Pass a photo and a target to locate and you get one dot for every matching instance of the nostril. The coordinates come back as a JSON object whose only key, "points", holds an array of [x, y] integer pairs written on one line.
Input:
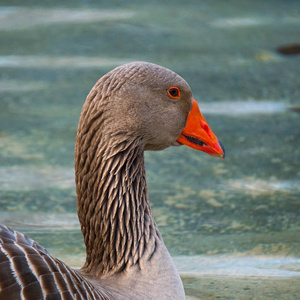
{"points": [[205, 127]]}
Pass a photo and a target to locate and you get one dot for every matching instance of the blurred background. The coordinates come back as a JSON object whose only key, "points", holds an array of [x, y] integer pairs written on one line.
{"points": [[233, 225]]}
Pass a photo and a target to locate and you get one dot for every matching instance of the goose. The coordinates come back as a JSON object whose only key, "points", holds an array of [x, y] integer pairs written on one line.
{"points": [[135, 107]]}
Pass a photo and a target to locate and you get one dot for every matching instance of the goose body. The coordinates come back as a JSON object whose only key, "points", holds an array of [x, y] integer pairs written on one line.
{"points": [[135, 107]]}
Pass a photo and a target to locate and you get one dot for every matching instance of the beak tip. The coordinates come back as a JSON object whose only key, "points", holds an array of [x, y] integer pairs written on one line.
{"points": [[223, 149]]}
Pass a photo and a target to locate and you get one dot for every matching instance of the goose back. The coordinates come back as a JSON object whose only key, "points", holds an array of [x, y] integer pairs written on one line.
{"points": [[29, 272]]}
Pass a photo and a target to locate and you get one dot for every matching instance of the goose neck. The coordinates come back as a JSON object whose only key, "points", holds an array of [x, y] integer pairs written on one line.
{"points": [[116, 220]]}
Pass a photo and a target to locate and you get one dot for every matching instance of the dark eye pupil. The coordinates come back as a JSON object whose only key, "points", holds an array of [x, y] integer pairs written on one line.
{"points": [[173, 92]]}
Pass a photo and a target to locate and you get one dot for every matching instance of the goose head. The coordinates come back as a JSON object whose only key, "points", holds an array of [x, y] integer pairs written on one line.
{"points": [[155, 104]]}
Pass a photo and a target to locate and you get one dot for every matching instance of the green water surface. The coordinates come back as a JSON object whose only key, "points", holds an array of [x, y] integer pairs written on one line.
{"points": [[248, 205]]}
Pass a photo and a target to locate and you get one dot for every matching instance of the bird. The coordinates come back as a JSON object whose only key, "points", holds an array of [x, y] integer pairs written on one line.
{"points": [[136, 107]]}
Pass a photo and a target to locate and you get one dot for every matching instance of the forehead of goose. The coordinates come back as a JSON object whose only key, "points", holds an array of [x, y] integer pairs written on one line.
{"points": [[151, 75]]}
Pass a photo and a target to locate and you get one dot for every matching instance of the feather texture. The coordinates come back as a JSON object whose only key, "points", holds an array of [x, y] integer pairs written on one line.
{"points": [[127, 112], [29, 272]]}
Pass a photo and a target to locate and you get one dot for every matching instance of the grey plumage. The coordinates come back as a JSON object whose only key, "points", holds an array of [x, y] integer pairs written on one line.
{"points": [[28, 271], [127, 111]]}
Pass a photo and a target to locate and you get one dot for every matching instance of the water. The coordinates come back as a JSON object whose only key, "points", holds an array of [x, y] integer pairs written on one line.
{"points": [[232, 226]]}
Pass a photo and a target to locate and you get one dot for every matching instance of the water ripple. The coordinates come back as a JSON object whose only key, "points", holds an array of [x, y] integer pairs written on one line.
{"points": [[26, 178], [28, 61], [12, 18], [237, 108], [251, 21], [229, 265]]}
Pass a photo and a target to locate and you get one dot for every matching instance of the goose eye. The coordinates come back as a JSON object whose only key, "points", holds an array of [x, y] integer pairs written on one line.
{"points": [[174, 92]]}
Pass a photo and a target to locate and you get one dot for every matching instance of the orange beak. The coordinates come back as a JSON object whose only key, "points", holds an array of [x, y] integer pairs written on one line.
{"points": [[197, 134]]}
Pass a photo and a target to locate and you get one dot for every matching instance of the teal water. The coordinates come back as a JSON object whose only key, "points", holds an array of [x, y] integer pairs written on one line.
{"points": [[232, 225]]}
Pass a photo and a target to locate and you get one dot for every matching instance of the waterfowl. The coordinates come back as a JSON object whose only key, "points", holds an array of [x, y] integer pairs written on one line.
{"points": [[135, 107]]}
